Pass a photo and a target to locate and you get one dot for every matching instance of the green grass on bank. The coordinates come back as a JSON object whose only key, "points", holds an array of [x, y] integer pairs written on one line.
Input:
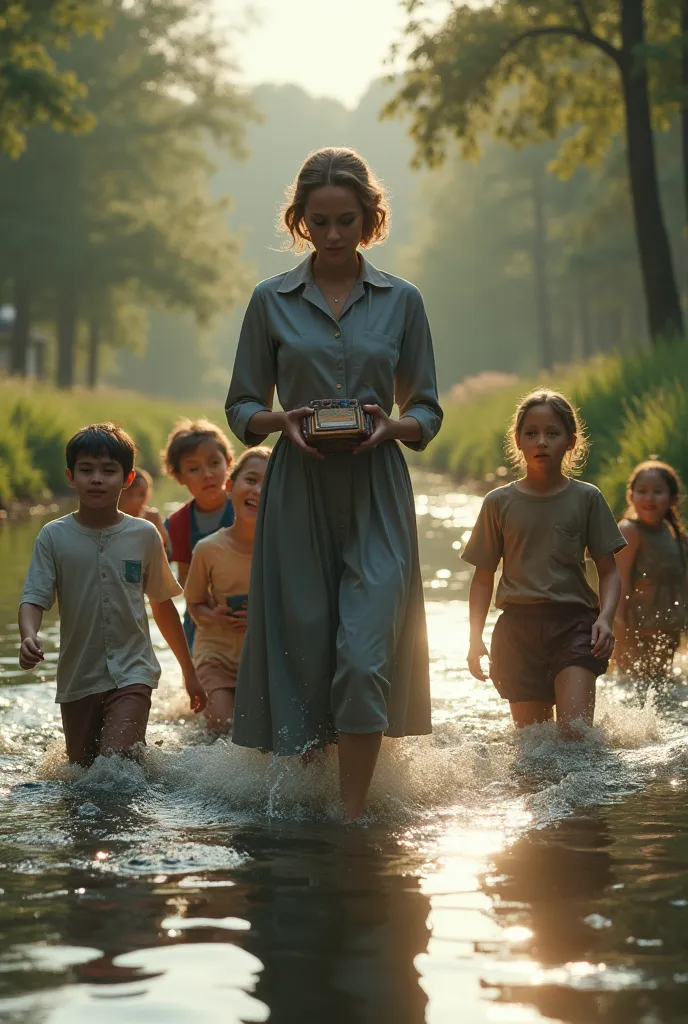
{"points": [[634, 406], [37, 420]]}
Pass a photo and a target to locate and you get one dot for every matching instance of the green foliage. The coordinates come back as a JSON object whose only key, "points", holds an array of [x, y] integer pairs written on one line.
{"points": [[32, 88], [37, 421], [42, 438], [125, 210], [583, 72], [530, 72], [472, 256], [655, 425], [633, 407]]}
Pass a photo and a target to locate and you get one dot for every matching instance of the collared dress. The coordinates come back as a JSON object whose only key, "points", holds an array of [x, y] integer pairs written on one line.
{"points": [[336, 640]]}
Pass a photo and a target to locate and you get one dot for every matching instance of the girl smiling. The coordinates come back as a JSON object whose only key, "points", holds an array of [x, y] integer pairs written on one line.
{"points": [[654, 594], [216, 591]]}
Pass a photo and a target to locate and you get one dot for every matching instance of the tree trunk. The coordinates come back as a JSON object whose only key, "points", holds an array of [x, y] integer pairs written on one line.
{"points": [[19, 350], [94, 339], [66, 338], [543, 311], [684, 105], [659, 280], [584, 325]]}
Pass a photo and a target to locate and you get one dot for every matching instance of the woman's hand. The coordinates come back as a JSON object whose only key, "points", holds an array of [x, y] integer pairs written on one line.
{"points": [[292, 428], [383, 429]]}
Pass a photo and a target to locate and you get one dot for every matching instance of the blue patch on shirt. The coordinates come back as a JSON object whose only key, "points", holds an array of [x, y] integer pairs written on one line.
{"points": [[132, 570]]}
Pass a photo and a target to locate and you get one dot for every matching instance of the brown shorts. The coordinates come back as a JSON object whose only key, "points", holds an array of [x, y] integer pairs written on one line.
{"points": [[212, 675], [106, 723], [532, 644]]}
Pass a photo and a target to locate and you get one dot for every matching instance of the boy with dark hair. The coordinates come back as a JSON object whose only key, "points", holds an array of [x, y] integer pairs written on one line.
{"points": [[100, 563]]}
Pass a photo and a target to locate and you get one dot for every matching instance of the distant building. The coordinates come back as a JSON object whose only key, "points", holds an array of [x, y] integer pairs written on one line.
{"points": [[35, 357]]}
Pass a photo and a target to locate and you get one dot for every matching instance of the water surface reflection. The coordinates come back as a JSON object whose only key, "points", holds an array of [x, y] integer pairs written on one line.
{"points": [[497, 878]]}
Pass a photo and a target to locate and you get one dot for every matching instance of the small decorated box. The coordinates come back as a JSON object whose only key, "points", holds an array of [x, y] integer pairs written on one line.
{"points": [[337, 425]]}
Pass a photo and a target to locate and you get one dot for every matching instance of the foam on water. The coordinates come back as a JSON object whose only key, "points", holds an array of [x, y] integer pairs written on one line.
{"points": [[416, 777], [626, 726]]}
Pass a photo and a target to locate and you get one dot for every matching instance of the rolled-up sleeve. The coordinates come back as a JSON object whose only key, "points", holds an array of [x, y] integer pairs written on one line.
{"points": [[415, 384], [253, 379]]}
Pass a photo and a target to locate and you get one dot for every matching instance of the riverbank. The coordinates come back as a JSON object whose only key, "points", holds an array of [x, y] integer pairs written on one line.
{"points": [[634, 406], [37, 420]]}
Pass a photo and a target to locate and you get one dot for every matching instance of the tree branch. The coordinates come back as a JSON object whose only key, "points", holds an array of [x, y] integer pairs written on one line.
{"points": [[583, 15], [566, 30]]}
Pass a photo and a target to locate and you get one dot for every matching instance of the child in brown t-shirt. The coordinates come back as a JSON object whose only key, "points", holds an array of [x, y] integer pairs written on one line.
{"points": [[216, 591], [554, 636]]}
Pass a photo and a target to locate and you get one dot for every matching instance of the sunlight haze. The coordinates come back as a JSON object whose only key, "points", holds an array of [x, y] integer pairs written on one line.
{"points": [[328, 49]]}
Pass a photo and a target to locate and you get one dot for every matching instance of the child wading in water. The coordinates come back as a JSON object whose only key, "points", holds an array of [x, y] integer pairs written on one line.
{"points": [[99, 564], [216, 591], [653, 610], [134, 502], [200, 457], [554, 637]]}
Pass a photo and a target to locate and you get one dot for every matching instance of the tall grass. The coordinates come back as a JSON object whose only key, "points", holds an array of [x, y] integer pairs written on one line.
{"points": [[634, 406], [37, 420]]}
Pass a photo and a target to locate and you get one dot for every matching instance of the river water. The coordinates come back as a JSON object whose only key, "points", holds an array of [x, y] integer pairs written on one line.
{"points": [[498, 877]]}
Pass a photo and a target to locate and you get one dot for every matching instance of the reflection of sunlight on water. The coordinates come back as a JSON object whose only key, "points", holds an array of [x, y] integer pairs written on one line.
{"points": [[471, 810], [204, 981]]}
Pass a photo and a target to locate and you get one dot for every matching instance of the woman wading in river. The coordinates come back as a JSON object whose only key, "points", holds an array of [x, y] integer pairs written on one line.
{"points": [[336, 649]]}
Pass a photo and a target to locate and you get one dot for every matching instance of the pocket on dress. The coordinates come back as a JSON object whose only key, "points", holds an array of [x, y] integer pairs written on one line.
{"points": [[568, 546]]}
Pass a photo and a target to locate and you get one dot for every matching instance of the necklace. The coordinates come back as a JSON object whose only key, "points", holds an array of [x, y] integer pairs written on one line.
{"points": [[343, 295]]}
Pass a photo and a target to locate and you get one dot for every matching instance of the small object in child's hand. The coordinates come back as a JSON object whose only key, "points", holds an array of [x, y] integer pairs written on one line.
{"points": [[237, 602], [485, 665]]}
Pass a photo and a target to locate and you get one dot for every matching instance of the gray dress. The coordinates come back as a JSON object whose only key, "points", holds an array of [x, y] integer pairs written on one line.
{"points": [[336, 639]]}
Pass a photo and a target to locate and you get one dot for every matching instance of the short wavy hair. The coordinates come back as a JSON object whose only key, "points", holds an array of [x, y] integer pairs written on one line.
{"points": [[341, 168], [185, 437]]}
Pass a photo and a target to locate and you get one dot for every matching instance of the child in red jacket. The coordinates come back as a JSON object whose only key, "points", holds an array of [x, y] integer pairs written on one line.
{"points": [[199, 456]]}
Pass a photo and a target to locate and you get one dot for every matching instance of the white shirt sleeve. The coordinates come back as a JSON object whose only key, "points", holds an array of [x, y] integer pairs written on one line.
{"points": [[40, 586]]}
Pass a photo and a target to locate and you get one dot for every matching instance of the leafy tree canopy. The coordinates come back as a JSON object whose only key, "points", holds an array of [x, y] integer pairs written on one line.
{"points": [[529, 72], [32, 87]]}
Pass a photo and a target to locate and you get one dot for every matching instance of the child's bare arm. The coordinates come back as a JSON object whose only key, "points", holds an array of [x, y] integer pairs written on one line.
{"points": [[624, 563], [31, 650], [610, 591], [153, 516], [169, 624], [479, 601], [182, 572]]}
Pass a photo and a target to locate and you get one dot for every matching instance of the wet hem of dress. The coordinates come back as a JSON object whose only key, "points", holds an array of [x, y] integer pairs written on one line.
{"points": [[327, 741]]}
